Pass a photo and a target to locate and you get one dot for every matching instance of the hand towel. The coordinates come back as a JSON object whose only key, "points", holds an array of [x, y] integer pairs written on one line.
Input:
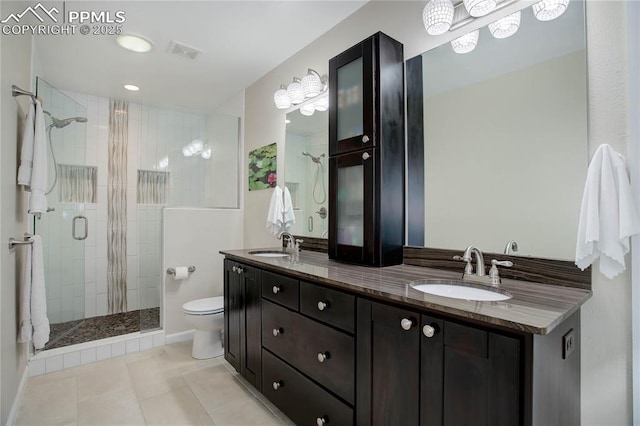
{"points": [[275, 215], [289, 215], [38, 199], [608, 215], [34, 323], [26, 153]]}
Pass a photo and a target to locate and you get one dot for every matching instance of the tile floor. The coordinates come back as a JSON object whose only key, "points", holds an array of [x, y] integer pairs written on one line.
{"points": [[161, 386]]}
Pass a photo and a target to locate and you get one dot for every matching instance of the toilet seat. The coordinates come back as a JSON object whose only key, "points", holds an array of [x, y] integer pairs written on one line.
{"points": [[206, 306]]}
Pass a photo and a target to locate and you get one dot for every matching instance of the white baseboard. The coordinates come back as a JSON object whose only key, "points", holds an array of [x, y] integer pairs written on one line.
{"points": [[183, 336], [13, 414]]}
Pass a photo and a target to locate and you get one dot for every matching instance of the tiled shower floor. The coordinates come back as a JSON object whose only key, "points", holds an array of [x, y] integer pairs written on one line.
{"points": [[86, 330]]}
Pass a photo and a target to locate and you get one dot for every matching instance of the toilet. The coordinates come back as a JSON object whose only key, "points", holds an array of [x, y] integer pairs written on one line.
{"points": [[207, 317]]}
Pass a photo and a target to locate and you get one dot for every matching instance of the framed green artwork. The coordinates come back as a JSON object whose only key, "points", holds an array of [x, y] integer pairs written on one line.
{"points": [[262, 167]]}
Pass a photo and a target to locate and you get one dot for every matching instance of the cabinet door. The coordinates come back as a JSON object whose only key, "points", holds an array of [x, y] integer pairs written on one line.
{"points": [[250, 320], [351, 104], [232, 314], [481, 377], [352, 216], [431, 378], [388, 344]]}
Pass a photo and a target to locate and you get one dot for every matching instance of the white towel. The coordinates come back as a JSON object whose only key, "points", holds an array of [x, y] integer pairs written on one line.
{"points": [[608, 216], [275, 214], [26, 154], [38, 199], [289, 215], [34, 323]]}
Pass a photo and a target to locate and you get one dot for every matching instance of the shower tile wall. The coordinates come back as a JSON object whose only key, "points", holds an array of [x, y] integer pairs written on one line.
{"points": [[154, 133]]}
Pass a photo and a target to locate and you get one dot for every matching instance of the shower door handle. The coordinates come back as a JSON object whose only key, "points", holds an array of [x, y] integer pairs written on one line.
{"points": [[74, 228], [310, 224]]}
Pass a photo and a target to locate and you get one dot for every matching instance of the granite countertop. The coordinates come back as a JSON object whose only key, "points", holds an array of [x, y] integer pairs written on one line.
{"points": [[534, 308]]}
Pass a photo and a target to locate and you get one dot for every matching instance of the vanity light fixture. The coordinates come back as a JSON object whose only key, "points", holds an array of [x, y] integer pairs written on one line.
{"points": [[322, 104], [546, 10], [312, 84], [281, 98], [307, 109], [131, 87], [134, 43], [197, 147], [295, 92], [466, 43], [478, 8], [437, 16], [505, 27]]}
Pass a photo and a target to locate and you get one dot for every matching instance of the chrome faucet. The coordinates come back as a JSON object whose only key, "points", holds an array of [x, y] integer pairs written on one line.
{"points": [[293, 243], [480, 275], [511, 246], [480, 270]]}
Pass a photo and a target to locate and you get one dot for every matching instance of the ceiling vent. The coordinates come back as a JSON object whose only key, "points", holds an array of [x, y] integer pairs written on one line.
{"points": [[183, 50]]}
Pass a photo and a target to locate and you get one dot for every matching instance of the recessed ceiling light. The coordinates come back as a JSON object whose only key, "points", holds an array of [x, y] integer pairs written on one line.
{"points": [[134, 43], [131, 87]]}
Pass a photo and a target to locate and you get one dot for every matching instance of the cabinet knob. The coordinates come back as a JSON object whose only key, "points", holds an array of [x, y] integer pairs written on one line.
{"points": [[406, 323], [323, 305], [320, 421], [239, 270], [277, 385], [276, 289], [323, 356], [277, 331], [429, 330], [365, 139], [365, 156]]}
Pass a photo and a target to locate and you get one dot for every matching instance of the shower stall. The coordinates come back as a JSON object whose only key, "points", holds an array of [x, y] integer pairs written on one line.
{"points": [[88, 232]]}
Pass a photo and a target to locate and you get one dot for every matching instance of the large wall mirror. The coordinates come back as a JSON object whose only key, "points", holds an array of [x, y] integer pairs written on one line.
{"points": [[505, 139], [306, 171]]}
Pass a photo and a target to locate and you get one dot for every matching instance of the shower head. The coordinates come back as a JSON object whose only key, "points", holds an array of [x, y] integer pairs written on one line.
{"points": [[64, 122], [317, 159]]}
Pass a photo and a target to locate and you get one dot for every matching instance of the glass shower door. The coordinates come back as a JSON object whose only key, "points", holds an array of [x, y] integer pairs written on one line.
{"points": [[64, 229]]}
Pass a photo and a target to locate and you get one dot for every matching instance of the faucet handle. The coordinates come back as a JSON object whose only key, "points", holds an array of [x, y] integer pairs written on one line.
{"points": [[468, 270], [494, 274]]}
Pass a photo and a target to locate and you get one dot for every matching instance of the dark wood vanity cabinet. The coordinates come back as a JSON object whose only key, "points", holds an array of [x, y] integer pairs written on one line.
{"points": [[332, 357], [366, 153], [242, 320]]}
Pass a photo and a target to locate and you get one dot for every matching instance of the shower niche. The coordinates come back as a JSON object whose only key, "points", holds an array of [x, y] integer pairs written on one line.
{"points": [[306, 167]]}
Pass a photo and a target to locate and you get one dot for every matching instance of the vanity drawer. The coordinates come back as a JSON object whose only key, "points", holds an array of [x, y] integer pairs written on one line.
{"points": [[299, 398], [325, 354], [280, 289], [327, 305]]}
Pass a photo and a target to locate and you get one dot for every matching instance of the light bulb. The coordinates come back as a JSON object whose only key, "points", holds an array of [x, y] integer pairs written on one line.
{"points": [[505, 27], [479, 7], [466, 43], [437, 16], [546, 10], [307, 110], [281, 98], [322, 104], [312, 84], [206, 154], [295, 92]]}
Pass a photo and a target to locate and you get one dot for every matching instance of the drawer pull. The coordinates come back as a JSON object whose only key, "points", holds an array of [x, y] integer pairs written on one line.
{"points": [[323, 305], [406, 323], [429, 330], [234, 269], [239, 270], [320, 421], [323, 356], [276, 289], [277, 385], [277, 331]]}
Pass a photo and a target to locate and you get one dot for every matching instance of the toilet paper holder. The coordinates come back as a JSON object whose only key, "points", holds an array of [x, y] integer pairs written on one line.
{"points": [[172, 271]]}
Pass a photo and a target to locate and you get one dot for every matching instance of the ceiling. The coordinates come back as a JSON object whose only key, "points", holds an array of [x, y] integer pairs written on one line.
{"points": [[240, 41]]}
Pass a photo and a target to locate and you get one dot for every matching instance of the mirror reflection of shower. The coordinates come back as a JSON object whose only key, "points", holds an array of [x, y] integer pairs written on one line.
{"points": [[57, 123], [319, 197]]}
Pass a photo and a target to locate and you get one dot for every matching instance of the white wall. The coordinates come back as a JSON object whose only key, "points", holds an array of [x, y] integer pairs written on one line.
{"points": [[606, 318], [194, 237], [15, 69]]}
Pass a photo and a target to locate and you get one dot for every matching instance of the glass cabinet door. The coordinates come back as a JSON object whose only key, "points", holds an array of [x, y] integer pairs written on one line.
{"points": [[351, 100], [353, 210]]}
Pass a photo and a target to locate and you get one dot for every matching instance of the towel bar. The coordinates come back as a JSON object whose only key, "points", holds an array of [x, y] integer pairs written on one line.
{"points": [[172, 271], [13, 242], [16, 91]]}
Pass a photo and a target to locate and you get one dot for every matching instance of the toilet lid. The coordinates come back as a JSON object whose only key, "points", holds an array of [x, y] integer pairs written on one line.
{"points": [[208, 305]]}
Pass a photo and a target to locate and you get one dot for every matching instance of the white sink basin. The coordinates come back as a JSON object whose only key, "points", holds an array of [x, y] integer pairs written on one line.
{"points": [[461, 290], [269, 253]]}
